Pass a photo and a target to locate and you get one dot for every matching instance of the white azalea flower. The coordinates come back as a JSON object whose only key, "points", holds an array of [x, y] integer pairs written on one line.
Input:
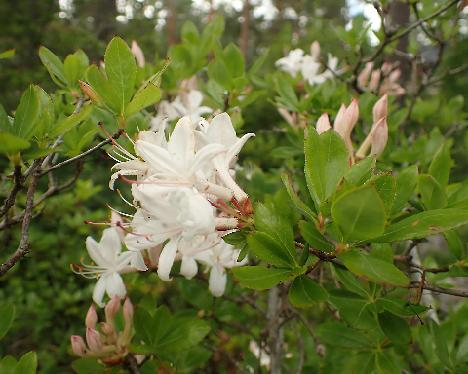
{"points": [[220, 131], [292, 62], [110, 263], [220, 257], [190, 104]]}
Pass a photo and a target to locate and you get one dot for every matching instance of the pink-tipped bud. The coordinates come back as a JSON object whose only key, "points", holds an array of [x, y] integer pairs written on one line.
{"points": [[386, 68], [315, 49], [364, 75], [352, 115], [107, 328], [323, 123], [78, 345], [128, 311], [340, 120], [91, 317], [380, 109], [111, 308], [394, 76], [379, 137], [138, 53], [93, 339], [374, 80]]}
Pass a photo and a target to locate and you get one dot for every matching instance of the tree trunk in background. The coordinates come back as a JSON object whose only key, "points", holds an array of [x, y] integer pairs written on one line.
{"points": [[398, 18], [244, 42], [171, 22], [275, 331]]}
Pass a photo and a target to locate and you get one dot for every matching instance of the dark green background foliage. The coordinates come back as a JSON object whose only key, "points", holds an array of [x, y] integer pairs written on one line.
{"points": [[347, 305]]}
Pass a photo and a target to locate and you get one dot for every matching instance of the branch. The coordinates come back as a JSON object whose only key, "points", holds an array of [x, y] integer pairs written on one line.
{"points": [[17, 184], [447, 291], [84, 154], [23, 247]]}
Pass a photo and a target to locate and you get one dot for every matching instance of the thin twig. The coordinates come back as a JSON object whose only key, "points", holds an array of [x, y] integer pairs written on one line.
{"points": [[23, 247], [17, 184], [447, 291]]}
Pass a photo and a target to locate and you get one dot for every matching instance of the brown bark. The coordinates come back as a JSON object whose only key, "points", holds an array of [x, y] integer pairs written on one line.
{"points": [[245, 30]]}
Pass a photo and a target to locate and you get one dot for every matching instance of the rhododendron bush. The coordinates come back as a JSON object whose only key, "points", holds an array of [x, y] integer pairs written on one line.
{"points": [[304, 211]]}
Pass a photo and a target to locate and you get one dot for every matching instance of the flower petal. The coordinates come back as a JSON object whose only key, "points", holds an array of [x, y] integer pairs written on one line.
{"points": [[110, 244], [217, 283], [221, 130], [166, 260], [98, 292], [94, 251], [188, 267], [115, 285]]}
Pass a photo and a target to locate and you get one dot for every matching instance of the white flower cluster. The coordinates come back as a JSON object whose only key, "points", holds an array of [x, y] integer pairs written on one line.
{"points": [[186, 198], [309, 66]]}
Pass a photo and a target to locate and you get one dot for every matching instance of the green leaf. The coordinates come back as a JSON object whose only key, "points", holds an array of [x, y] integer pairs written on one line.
{"points": [[298, 203], [338, 334], [146, 97], [361, 171], [260, 277], [377, 270], [27, 364], [121, 71], [7, 54], [360, 214], [424, 224], [441, 164], [87, 365], [432, 194], [102, 87], [267, 249], [315, 239], [74, 67], [218, 71], [401, 307], [12, 144], [406, 182], [385, 185], [53, 65], [350, 282], [189, 33], [234, 60], [269, 219], [455, 244], [7, 313], [304, 292], [5, 124], [68, 123], [395, 328], [326, 162], [27, 114]]}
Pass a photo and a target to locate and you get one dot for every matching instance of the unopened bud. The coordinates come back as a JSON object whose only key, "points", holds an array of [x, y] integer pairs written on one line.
{"points": [[352, 115], [107, 328], [315, 49], [78, 345], [128, 311], [379, 137], [93, 339], [91, 317], [374, 80], [323, 123], [380, 110], [364, 75], [138, 53], [340, 120], [88, 91], [111, 308]]}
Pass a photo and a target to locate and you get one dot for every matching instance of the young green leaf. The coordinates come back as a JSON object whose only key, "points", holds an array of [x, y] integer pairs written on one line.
{"points": [[27, 364], [315, 239], [7, 311], [146, 97], [339, 335], [406, 182], [267, 249], [304, 292], [326, 162], [121, 71], [432, 194], [385, 185], [361, 171], [53, 65], [298, 203], [424, 224], [360, 214], [260, 277], [12, 144], [375, 269], [395, 328], [234, 60], [441, 164], [27, 114]]}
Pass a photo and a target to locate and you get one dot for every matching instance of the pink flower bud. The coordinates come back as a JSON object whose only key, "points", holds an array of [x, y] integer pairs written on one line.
{"points": [[93, 339], [138, 53], [374, 80], [128, 311], [111, 308], [379, 137], [107, 328], [380, 110], [364, 75], [323, 123], [340, 120], [78, 345], [91, 317], [315, 49], [352, 115]]}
